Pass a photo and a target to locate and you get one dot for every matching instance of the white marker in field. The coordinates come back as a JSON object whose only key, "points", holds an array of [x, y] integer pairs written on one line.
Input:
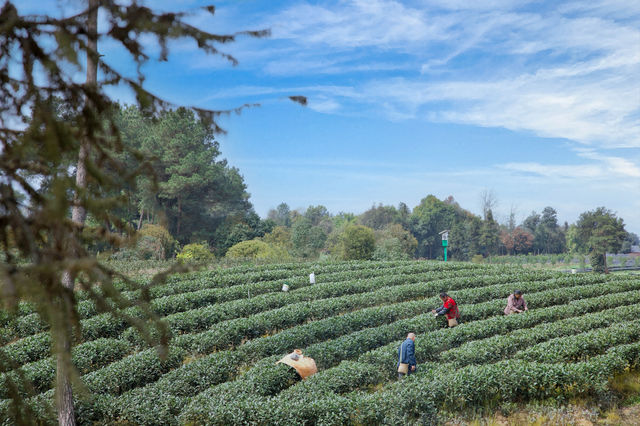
{"points": [[285, 287], [312, 278]]}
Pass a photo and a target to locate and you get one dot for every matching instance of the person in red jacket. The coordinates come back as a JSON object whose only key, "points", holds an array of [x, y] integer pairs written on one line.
{"points": [[448, 308]]}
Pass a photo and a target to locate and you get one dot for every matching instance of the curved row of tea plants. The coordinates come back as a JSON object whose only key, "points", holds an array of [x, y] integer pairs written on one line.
{"points": [[419, 398], [383, 360], [294, 314], [231, 326], [104, 325], [263, 378], [296, 274], [203, 290]]}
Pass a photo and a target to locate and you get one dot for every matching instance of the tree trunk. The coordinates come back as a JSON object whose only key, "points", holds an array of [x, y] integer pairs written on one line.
{"points": [[64, 391], [179, 215], [79, 213], [140, 220], [64, 399]]}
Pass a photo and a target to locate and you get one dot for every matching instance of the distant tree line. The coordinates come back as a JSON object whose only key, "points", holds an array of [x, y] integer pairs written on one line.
{"points": [[189, 200], [389, 232]]}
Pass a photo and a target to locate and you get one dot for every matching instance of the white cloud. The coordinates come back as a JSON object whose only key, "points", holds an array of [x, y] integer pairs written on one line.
{"points": [[588, 113], [603, 168], [476, 5], [597, 112], [615, 9], [353, 23], [324, 105], [321, 98], [557, 171], [565, 71], [615, 165]]}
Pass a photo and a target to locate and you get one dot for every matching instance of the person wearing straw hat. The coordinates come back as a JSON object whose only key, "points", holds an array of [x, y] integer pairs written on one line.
{"points": [[407, 356]]}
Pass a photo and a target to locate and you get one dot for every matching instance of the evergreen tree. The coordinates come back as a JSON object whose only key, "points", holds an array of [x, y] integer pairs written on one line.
{"points": [[489, 236], [551, 239], [281, 215], [188, 188], [404, 215], [317, 214]]}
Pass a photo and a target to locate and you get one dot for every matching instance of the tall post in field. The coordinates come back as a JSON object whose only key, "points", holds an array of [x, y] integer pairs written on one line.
{"points": [[445, 242]]}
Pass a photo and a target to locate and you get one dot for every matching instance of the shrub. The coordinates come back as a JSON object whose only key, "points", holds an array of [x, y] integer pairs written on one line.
{"points": [[155, 242], [358, 242], [583, 263], [280, 236], [230, 326], [125, 254], [395, 243], [390, 249], [86, 357], [255, 249], [195, 253], [149, 248], [598, 262], [133, 371], [477, 258]]}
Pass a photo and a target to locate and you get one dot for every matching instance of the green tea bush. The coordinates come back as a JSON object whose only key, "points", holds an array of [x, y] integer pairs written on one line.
{"points": [[231, 325]]}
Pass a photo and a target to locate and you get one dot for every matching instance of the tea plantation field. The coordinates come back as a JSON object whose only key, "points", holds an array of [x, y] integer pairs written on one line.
{"points": [[231, 326]]}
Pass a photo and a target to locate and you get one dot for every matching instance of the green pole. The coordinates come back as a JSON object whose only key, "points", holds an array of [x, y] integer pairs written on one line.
{"points": [[445, 254]]}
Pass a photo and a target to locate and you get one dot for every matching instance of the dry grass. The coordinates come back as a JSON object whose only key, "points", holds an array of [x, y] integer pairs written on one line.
{"points": [[571, 415], [626, 384], [611, 417], [578, 412], [565, 416]]}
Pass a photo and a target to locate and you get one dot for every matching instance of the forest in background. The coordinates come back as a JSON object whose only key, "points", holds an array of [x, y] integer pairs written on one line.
{"points": [[191, 203]]}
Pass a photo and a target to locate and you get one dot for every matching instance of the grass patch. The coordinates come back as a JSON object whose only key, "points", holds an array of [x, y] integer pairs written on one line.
{"points": [[627, 385]]}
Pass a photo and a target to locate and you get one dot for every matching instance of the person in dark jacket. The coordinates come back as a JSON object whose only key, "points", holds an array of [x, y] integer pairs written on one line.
{"points": [[449, 308], [407, 356]]}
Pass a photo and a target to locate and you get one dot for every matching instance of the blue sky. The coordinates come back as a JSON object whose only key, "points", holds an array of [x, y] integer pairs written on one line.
{"points": [[537, 101]]}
